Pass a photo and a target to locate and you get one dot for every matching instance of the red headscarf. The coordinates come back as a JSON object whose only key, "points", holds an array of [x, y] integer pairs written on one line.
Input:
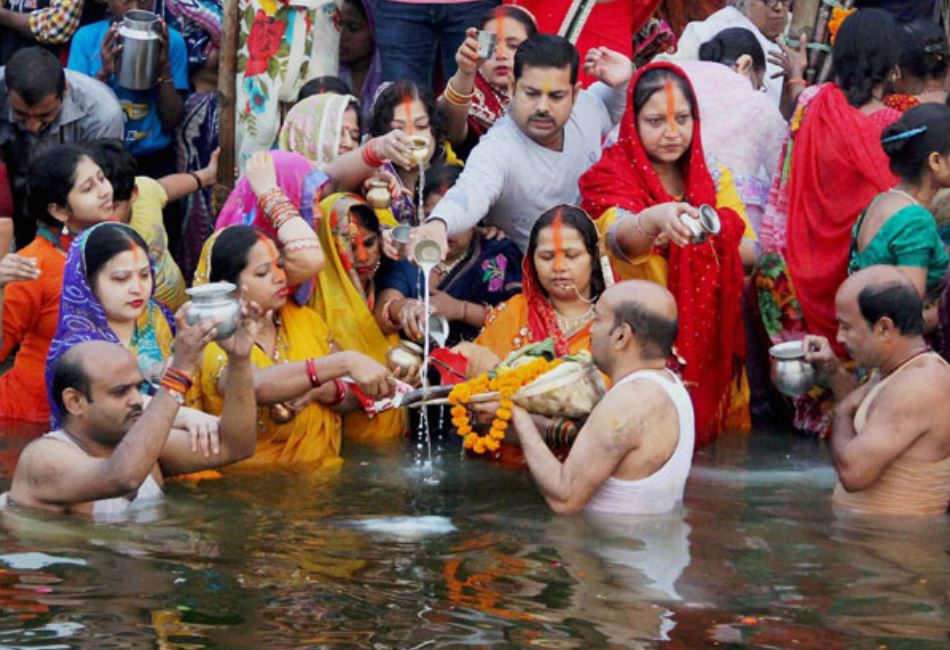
{"points": [[706, 279]]}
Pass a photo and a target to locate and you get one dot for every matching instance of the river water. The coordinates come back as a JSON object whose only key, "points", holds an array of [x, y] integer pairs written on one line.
{"points": [[370, 556]]}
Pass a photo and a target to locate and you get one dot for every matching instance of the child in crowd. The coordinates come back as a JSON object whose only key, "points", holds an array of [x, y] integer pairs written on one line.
{"points": [[152, 115]]}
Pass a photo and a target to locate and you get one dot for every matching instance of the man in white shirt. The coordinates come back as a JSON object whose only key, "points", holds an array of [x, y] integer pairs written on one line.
{"points": [[532, 158]]}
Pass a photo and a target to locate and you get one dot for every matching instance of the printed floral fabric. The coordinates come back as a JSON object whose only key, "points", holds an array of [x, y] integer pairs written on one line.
{"points": [[283, 43]]}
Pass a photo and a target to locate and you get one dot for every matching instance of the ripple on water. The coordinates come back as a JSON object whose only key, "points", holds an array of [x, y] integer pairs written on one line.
{"points": [[370, 556]]}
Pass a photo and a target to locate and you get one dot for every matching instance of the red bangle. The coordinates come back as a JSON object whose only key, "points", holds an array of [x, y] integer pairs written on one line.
{"points": [[341, 391], [370, 157], [176, 376], [312, 373]]}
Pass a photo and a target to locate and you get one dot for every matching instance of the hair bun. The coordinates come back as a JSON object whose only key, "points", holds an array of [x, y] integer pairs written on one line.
{"points": [[711, 50]]}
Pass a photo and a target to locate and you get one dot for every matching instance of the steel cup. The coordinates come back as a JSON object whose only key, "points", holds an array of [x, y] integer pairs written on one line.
{"points": [[707, 224], [215, 301], [419, 149], [487, 42], [790, 373], [427, 253], [401, 239]]}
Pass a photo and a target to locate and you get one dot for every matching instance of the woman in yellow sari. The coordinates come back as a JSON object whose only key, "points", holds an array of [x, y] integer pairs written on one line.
{"points": [[350, 236], [297, 381]]}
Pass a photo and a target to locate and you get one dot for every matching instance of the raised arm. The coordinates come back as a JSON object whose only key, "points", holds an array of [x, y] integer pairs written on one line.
{"points": [[237, 424], [461, 84], [303, 255], [614, 71], [178, 186], [52, 475], [347, 172], [173, 75]]}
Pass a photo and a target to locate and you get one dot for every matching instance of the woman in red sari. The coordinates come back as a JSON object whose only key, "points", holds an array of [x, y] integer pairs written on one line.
{"points": [[832, 166], [642, 184]]}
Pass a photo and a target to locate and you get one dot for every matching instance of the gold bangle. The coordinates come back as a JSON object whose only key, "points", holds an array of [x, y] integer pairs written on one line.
{"points": [[450, 87]]}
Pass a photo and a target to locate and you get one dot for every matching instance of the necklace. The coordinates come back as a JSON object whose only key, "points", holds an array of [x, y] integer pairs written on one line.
{"points": [[569, 326], [894, 190]]}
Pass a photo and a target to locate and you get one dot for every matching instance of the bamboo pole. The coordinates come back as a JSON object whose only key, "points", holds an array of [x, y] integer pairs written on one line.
{"points": [[804, 17], [227, 96]]}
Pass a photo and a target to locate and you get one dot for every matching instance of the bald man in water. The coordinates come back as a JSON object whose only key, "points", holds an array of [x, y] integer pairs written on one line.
{"points": [[890, 440], [113, 450], [634, 452]]}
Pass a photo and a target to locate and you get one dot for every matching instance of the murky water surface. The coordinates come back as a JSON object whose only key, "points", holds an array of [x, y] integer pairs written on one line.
{"points": [[373, 557]]}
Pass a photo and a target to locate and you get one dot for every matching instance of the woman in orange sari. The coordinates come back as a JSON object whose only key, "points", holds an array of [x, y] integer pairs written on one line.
{"points": [[561, 280]]}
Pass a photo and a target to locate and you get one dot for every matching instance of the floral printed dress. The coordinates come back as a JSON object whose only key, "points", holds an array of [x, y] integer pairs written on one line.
{"points": [[489, 274], [283, 44]]}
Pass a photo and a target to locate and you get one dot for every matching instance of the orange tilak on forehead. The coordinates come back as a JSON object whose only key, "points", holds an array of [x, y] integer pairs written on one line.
{"points": [[557, 236], [361, 254], [670, 105], [500, 48], [407, 112], [274, 255]]}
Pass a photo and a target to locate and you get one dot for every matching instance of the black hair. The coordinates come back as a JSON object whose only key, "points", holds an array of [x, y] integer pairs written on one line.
{"points": [[50, 179], [118, 164], [360, 8], [898, 301], [230, 251], [35, 73], [865, 52], [547, 51], [68, 372], [104, 243], [728, 45], [514, 12], [577, 219], [321, 85], [924, 52], [653, 81], [384, 110], [364, 215], [439, 179], [654, 333], [909, 154]]}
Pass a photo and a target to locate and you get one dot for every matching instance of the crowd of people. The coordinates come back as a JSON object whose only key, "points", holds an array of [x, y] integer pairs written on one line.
{"points": [[563, 171]]}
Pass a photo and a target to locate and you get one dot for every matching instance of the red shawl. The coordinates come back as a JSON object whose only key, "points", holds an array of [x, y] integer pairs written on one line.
{"points": [[706, 279], [838, 167], [488, 106]]}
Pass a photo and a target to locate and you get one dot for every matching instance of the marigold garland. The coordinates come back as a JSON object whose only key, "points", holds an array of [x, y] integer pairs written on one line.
{"points": [[506, 383]]}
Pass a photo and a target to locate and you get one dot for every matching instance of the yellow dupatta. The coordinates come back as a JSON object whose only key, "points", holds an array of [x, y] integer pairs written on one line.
{"points": [[314, 435], [339, 299]]}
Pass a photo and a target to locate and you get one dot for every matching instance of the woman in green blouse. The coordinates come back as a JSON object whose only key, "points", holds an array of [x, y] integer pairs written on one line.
{"points": [[897, 228]]}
